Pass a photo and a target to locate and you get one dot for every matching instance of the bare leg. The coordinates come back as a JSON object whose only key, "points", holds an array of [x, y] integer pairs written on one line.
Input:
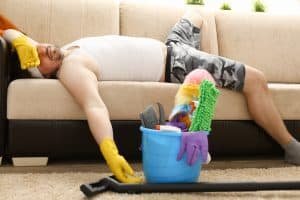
{"points": [[262, 108], [264, 112]]}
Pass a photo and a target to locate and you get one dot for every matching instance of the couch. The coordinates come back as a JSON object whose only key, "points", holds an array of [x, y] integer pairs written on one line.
{"points": [[40, 119]]}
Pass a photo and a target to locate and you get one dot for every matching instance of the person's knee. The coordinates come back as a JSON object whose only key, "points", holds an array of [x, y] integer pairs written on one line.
{"points": [[261, 79], [255, 80], [194, 17]]}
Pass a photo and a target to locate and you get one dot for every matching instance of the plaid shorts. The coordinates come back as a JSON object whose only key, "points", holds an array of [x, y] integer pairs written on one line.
{"points": [[184, 56]]}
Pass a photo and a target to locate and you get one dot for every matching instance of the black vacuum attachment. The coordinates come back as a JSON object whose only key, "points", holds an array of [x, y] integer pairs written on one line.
{"points": [[111, 184]]}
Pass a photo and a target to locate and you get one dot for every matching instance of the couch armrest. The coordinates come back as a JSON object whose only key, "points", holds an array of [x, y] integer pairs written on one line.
{"points": [[9, 71], [4, 53]]}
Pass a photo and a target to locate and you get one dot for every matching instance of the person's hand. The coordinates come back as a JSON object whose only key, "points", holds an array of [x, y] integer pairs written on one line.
{"points": [[194, 144], [27, 52], [117, 163]]}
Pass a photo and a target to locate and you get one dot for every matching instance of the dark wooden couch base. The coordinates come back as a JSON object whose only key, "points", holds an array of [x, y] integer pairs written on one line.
{"points": [[65, 139]]}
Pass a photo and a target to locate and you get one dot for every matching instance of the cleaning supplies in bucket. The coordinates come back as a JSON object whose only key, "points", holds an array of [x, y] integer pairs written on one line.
{"points": [[176, 155]]}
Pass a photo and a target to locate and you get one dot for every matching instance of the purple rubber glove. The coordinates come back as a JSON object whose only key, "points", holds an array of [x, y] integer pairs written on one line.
{"points": [[194, 144]]}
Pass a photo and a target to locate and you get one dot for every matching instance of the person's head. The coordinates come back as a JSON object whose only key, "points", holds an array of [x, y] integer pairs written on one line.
{"points": [[50, 57]]}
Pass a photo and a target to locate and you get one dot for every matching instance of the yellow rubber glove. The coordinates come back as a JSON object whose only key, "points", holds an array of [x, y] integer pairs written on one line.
{"points": [[27, 52], [117, 163], [187, 93]]}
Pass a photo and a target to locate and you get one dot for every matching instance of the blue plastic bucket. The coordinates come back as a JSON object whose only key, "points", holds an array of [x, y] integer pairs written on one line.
{"points": [[159, 152]]}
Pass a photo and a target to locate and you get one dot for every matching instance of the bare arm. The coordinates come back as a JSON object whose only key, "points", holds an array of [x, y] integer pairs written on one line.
{"points": [[25, 47], [10, 34], [82, 83]]}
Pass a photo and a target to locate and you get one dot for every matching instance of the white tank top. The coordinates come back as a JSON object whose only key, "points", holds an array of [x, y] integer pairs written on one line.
{"points": [[125, 58]]}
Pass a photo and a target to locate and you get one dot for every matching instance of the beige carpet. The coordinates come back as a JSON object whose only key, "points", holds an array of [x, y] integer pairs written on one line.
{"points": [[62, 181]]}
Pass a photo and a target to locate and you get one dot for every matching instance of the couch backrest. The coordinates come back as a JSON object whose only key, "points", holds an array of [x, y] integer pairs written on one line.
{"points": [[268, 42], [155, 20], [62, 21], [265, 41]]}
